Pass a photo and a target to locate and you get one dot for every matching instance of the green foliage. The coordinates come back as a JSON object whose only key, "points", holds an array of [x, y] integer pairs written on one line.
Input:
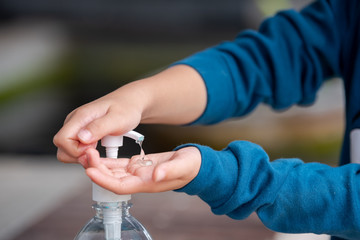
{"points": [[269, 8]]}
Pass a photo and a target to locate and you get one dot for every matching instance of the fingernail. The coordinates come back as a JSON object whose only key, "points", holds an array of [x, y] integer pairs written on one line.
{"points": [[160, 175], [85, 135]]}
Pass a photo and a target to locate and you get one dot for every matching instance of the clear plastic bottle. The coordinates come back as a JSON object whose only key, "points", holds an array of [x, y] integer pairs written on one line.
{"points": [[113, 221]]}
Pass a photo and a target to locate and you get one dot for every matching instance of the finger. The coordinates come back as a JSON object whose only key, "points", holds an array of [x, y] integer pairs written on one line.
{"points": [[181, 167], [109, 124], [65, 158], [82, 148], [129, 184], [171, 170], [93, 157], [111, 163], [71, 146], [133, 164], [83, 160], [126, 185], [67, 137], [94, 161]]}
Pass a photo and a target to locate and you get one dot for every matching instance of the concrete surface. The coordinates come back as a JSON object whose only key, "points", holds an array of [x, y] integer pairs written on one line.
{"points": [[43, 199], [31, 187]]}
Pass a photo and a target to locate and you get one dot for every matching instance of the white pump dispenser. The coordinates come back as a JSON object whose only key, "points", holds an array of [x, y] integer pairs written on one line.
{"points": [[113, 220], [112, 144]]}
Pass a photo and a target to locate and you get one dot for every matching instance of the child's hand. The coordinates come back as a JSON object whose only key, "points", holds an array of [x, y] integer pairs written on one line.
{"points": [[115, 113], [169, 171], [174, 96]]}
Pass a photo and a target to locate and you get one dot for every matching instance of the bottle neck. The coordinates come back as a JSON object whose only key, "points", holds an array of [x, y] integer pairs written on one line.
{"points": [[113, 210]]}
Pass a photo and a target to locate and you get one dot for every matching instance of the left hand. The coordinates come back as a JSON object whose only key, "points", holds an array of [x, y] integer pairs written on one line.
{"points": [[169, 171]]}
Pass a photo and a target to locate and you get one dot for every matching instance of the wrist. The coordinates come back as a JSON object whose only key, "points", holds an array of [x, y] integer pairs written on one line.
{"points": [[137, 97], [146, 98], [175, 96]]}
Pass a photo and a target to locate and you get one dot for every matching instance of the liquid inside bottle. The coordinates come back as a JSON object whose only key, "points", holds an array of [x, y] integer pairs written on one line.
{"points": [[113, 222]]}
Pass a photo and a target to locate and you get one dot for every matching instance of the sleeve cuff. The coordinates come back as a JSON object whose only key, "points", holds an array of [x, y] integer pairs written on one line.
{"points": [[213, 177]]}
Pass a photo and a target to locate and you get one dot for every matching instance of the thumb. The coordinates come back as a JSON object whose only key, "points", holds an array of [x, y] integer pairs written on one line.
{"points": [[176, 169], [170, 177], [182, 167], [100, 127]]}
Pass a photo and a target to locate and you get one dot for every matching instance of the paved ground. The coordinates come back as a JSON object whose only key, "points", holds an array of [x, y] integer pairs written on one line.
{"points": [[31, 188], [49, 200], [43, 199]]}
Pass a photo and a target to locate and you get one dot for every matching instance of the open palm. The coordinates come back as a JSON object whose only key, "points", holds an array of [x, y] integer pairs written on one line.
{"points": [[160, 172]]}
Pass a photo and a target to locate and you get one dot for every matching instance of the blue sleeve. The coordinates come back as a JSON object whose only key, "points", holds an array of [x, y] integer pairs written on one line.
{"points": [[287, 194], [282, 64]]}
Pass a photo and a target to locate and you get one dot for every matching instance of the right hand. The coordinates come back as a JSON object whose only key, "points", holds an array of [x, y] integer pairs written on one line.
{"points": [[176, 95], [113, 114]]}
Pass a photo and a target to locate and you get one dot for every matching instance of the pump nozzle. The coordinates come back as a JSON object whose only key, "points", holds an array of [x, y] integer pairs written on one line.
{"points": [[135, 135], [112, 143]]}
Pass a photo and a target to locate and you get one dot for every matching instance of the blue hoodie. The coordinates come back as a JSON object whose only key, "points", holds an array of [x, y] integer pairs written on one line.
{"points": [[284, 63]]}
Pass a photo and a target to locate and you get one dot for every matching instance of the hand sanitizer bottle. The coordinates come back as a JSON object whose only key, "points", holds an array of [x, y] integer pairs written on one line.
{"points": [[113, 220]]}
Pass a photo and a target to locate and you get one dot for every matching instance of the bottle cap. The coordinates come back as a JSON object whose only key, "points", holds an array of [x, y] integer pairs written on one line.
{"points": [[100, 194]]}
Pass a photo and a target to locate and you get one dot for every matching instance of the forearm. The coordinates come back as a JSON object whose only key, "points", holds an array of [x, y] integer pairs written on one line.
{"points": [[287, 194], [282, 64], [174, 96]]}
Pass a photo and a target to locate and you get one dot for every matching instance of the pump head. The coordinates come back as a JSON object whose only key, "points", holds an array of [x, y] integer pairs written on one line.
{"points": [[112, 143]]}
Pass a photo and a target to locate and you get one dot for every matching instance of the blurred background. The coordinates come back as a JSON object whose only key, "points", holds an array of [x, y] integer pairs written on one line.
{"points": [[58, 55]]}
